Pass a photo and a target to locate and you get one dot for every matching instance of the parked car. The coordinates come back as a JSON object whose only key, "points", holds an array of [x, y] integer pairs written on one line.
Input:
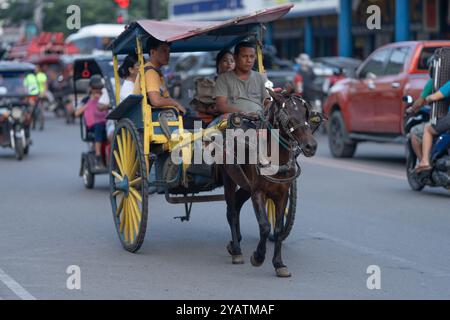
{"points": [[323, 73], [368, 106], [339, 68]]}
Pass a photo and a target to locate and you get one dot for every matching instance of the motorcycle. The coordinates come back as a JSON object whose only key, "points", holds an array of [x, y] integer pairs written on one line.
{"points": [[16, 109], [439, 176], [14, 126]]}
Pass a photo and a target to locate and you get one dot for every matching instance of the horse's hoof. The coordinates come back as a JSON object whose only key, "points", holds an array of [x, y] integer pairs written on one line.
{"points": [[237, 259], [230, 249], [283, 272], [255, 262]]}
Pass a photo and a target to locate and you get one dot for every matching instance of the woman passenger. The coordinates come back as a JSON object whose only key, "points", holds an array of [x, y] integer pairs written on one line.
{"points": [[128, 71], [224, 62]]}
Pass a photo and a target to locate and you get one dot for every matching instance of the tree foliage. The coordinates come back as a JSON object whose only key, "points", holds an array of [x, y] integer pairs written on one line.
{"points": [[92, 12]]}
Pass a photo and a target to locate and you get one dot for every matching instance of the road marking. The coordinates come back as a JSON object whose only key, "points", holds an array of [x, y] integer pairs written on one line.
{"points": [[15, 287], [381, 254], [355, 167]]}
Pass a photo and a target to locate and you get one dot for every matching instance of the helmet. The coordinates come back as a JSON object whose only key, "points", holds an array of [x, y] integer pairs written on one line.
{"points": [[96, 82]]}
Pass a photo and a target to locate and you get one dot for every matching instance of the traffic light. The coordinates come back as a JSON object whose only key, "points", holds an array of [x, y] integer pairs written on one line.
{"points": [[122, 12], [123, 4]]}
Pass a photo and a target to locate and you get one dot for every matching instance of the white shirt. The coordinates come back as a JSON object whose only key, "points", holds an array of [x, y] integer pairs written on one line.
{"points": [[126, 90], [104, 98]]}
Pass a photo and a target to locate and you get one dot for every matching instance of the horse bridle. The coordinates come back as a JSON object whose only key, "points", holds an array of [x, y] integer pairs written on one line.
{"points": [[284, 121]]}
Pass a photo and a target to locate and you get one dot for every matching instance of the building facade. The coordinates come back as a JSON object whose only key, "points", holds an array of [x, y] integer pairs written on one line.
{"points": [[331, 27]]}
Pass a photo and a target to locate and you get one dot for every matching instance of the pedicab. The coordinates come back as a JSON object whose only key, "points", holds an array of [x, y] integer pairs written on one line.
{"points": [[83, 69], [16, 105], [145, 136]]}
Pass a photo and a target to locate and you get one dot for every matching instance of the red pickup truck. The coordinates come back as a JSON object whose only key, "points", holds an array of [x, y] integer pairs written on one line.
{"points": [[368, 106]]}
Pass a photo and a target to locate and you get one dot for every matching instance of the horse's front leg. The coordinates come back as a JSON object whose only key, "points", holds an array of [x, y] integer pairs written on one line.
{"points": [[233, 247], [280, 208], [259, 204]]}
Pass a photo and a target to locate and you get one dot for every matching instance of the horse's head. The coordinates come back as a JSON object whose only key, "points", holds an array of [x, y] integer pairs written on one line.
{"points": [[295, 120]]}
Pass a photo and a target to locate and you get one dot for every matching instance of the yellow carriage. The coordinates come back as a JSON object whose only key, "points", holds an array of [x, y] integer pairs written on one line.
{"points": [[145, 136]]}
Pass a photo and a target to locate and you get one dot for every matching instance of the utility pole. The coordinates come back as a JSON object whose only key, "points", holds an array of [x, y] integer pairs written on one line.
{"points": [[38, 16], [153, 9]]}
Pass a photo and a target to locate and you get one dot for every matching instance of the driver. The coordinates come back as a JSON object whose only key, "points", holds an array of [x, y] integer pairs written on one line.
{"points": [[442, 126], [241, 89]]}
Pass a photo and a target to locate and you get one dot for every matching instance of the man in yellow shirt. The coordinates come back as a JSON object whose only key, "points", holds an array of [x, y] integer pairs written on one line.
{"points": [[155, 85]]}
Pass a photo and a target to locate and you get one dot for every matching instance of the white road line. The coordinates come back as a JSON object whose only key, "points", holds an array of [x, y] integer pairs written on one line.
{"points": [[15, 287], [355, 167]]}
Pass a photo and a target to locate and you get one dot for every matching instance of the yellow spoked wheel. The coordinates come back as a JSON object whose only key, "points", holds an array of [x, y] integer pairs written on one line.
{"points": [[128, 185], [289, 215]]}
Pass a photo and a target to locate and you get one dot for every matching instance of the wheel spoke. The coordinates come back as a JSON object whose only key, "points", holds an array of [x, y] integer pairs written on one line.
{"points": [[136, 194], [127, 222], [134, 169], [118, 176], [136, 181], [126, 164], [134, 220], [271, 212], [130, 223], [120, 207], [136, 209], [132, 157], [122, 216], [119, 162], [121, 151]]}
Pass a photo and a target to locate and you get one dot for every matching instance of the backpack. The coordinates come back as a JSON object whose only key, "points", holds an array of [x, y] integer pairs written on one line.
{"points": [[203, 100]]}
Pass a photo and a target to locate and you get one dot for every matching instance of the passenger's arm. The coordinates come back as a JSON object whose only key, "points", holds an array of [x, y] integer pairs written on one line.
{"points": [[223, 107], [79, 111], [435, 97], [419, 103], [157, 101], [102, 106]]}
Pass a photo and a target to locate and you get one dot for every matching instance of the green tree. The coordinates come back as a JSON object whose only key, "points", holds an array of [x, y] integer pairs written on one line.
{"points": [[18, 11], [92, 12]]}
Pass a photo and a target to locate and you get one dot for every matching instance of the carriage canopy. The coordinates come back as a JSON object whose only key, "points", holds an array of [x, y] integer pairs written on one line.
{"points": [[190, 36]]}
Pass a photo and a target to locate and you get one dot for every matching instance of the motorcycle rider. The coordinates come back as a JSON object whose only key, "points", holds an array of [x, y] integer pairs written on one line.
{"points": [[418, 130], [442, 126]]}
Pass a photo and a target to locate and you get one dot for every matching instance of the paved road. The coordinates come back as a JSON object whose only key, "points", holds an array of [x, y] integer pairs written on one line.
{"points": [[351, 214]]}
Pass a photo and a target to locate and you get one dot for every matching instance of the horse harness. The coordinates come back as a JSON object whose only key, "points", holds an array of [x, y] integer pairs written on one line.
{"points": [[281, 120]]}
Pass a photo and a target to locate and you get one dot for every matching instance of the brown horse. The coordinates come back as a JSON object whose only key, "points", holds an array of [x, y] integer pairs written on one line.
{"points": [[291, 115]]}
